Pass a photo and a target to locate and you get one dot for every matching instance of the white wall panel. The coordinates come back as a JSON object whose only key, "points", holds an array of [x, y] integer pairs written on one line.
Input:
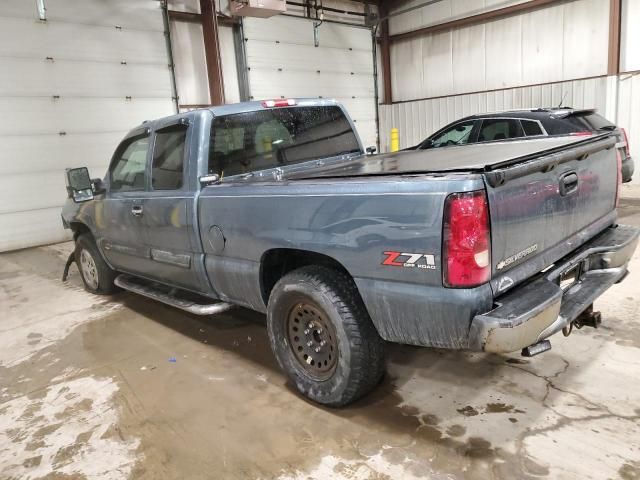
{"points": [[437, 75], [542, 40], [283, 62], [32, 39], [71, 109], [36, 77], [229, 67], [439, 12], [26, 154], [630, 36], [562, 41], [586, 38], [41, 115], [469, 59], [190, 63], [138, 15], [31, 228], [300, 32], [503, 53]]}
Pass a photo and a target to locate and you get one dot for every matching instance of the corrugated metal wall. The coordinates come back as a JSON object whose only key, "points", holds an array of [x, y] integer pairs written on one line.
{"points": [[552, 44]]}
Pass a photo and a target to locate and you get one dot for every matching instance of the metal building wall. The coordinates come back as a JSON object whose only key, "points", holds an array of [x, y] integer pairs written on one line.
{"points": [[556, 43]]}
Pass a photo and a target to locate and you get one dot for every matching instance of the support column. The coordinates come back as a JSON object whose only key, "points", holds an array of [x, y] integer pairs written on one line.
{"points": [[212, 51], [385, 56]]}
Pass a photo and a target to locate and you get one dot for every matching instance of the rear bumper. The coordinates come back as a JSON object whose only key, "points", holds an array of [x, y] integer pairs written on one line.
{"points": [[540, 308]]}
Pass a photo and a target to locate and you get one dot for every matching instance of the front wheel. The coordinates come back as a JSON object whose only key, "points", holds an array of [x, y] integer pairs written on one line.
{"points": [[96, 275], [323, 336]]}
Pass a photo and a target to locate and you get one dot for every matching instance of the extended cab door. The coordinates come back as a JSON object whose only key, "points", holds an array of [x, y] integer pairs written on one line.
{"points": [[119, 216], [168, 209]]}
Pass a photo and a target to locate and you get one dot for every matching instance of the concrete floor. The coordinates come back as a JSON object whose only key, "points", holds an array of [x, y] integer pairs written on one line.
{"points": [[122, 387]]}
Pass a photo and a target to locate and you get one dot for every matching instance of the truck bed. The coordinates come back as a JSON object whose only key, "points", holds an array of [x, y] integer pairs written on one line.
{"points": [[476, 157]]}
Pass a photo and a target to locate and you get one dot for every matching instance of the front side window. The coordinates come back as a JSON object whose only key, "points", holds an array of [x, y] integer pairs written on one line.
{"points": [[246, 142], [168, 158], [456, 135], [128, 168], [499, 129]]}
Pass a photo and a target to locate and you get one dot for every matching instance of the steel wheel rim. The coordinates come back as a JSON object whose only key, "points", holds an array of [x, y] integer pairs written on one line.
{"points": [[89, 269], [312, 339]]}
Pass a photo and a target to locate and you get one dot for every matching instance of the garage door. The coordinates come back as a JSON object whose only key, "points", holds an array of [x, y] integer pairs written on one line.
{"points": [[283, 62], [70, 88]]}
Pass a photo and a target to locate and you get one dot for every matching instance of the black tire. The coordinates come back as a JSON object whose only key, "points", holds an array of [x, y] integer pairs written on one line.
{"points": [[99, 278], [330, 297]]}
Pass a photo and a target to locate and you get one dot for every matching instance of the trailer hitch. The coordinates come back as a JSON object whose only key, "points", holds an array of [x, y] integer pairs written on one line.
{"points": [[588, 318]]}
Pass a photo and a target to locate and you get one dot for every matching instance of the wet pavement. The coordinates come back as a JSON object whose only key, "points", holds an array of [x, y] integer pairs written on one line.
{"points": [[122, 387]]}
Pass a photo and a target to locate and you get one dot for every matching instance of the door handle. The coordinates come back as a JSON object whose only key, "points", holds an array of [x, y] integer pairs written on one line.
{"points": [[568, 183], [136, 210]]}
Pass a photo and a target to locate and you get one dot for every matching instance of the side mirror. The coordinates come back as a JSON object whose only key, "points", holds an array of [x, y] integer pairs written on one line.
{"points": [[371, 150], [79, 184], [211, 179]]}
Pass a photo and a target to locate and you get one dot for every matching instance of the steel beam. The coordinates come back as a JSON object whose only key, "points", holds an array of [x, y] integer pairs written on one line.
{"points": [[385, 57], [212, 52], [615, 19]]}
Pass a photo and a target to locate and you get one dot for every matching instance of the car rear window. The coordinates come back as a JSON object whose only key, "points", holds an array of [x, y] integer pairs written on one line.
{"points": [[246, 142], [580, 122]]}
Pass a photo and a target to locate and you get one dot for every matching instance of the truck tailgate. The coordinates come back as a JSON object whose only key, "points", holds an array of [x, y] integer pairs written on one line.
{"points": [[547, 206]]}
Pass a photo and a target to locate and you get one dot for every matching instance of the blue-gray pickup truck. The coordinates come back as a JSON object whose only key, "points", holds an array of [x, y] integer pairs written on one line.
{"points": [[276, 207]]}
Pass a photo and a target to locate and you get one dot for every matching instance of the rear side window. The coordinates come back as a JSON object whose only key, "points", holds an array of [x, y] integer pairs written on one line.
{"points": [[168, 158], [499, 129], [531, 128], [581, 122], [246, 142], [128, 169]]}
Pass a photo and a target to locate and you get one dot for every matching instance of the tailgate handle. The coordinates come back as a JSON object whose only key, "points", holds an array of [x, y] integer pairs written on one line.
{"points": [[568, 183]]}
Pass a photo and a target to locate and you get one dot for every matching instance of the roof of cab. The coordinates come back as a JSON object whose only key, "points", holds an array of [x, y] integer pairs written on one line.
{"points": [[233, 108]]}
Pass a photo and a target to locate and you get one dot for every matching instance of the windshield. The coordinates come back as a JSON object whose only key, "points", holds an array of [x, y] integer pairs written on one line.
{"points": [[246, 142]]}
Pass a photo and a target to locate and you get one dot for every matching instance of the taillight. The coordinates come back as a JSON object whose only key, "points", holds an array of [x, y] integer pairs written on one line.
{"points": [[466, 240], [619, 184], [290, 102], [627, 148], [581, 134]]}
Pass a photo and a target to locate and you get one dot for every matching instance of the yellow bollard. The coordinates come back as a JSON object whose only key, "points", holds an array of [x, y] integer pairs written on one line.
{"points": [[395, 140]]}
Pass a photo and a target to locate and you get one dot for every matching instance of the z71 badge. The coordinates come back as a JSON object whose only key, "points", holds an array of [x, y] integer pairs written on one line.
{"points": [[411, 260]]}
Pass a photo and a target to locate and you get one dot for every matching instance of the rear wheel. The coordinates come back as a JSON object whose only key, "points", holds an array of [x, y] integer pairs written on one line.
{"points": [[323, 337], [96, 275]]}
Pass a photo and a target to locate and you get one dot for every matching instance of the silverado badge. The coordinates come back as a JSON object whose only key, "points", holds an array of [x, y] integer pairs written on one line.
{"points": [[518, 256]]}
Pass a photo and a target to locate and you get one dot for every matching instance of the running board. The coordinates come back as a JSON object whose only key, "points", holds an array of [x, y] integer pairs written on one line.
{"points": [[169, 296]]}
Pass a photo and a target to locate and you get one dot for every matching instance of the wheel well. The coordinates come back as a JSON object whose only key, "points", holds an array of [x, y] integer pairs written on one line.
{"points": [[278, 262], [78, 229]]}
